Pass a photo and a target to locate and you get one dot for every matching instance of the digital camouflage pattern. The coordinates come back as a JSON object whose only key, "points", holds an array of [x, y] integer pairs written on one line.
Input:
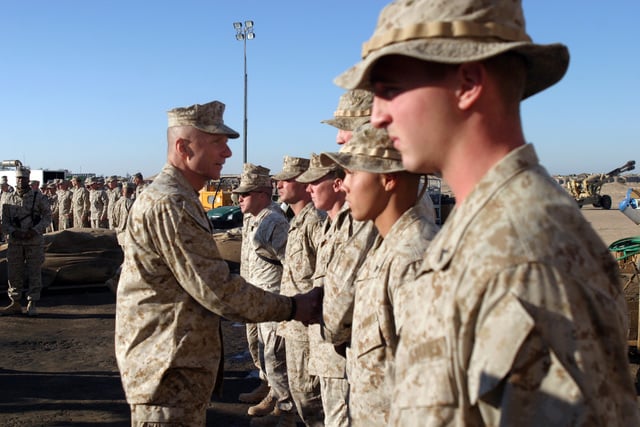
{"points": [[119, 217], [64, 209], [391, 262], [264, 241], [113, 195], [354, 109], [299, 266], [532, 280], [29, 211], [98, 206], [80, 205], [173, 289]]}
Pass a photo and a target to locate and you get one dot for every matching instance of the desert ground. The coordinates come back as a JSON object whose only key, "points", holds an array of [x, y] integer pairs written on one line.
{"points": [[59, 369]]}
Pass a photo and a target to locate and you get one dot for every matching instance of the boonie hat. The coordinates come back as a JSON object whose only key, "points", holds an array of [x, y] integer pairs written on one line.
{"points": [[370, 149], [205, 117], [455, 32], [253, 178], [292, 167], [316, 170], [354, 109]]}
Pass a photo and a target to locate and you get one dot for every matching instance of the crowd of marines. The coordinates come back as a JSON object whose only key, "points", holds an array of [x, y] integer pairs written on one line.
{"points": [[30, 210]]}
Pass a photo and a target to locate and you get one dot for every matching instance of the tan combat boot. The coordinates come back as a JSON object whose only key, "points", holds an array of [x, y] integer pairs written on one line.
{"points": [[31, 309], [255, 395], [13, 308], [265, 407]]}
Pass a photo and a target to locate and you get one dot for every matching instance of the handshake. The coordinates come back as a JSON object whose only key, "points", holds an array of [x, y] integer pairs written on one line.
{"points": [[308, 306], [24, 235]]}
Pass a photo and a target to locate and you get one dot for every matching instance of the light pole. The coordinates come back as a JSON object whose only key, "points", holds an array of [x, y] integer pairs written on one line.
{"points": [[244, 33]]}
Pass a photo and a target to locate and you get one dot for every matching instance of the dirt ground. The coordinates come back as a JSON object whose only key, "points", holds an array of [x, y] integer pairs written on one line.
{"points": [[59, 369]]}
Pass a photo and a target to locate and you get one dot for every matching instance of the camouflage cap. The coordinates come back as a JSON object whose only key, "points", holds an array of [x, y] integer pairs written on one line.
{"points": [[370, 150], [112, 178], [455, 32], [22, 172], [89, 180], [354, 109], [205, 117], [292, 168], [316, 170], [253, 178]]}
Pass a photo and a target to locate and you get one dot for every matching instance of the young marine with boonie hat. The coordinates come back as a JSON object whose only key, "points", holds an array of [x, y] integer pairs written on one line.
{"points": [[379, 189], [517, 313]]}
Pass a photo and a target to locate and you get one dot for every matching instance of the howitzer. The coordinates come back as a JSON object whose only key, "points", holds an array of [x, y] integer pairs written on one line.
{"points": [[587, 189]]}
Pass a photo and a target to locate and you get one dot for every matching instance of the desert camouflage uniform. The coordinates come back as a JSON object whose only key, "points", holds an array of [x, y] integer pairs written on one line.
{"points": [[518, 315], [80, 206], [172, 292], [298, 269], [98, 207], [324, 361], [119, 216], [265, 235], [25, 256], [113, 195], [53, 207], [64, 209], [391, 262]]}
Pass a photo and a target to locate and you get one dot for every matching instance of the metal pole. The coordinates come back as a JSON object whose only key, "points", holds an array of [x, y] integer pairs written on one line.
{"points": [[244, 155]]}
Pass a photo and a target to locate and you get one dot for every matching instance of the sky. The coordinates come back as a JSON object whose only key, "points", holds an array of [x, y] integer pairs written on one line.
{"points": [[85, 84]]}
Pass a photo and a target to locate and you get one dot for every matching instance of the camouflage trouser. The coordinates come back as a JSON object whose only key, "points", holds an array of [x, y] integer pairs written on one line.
{"points": [[335, 395], [164, 416], [24, 261], [80, 221], [64, 222], [255, 350], [305, 388], [275, 364]]}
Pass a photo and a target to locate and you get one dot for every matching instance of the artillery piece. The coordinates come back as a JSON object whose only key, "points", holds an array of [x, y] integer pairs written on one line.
{"points": [[587, 189]]}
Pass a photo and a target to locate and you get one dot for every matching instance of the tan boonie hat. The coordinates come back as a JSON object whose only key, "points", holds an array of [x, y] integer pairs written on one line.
{"points": [[253, 178], [205, 117], [370, 149], [316, 170], [354, 109], [292, 168], [455, 32], [112, 178]]}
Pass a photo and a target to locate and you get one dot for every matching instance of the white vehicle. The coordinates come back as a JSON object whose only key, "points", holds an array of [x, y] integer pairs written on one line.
{"points": [[8, 169]]}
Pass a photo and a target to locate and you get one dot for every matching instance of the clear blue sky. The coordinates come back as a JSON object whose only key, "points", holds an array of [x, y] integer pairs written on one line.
{"points": [[85, 84]]}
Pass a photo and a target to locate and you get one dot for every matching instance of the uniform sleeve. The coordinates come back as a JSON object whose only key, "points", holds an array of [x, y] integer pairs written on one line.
{"points": [[44, 210], [195, 261]]}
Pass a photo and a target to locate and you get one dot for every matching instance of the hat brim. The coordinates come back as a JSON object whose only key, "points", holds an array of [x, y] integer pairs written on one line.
{"points": [[311, 175], [545, 64], [219, 130], [347, 123], [244, 188], [361, 162], [285, 176]]}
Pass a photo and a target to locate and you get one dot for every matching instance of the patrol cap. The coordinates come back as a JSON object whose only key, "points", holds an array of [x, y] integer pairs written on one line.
{"points": [[316, 170], [354, 109], [89, 180], [370, 149], [205, 117], [292, 167], [22, 172], [112, 178], [455, 32], [253, 178]]}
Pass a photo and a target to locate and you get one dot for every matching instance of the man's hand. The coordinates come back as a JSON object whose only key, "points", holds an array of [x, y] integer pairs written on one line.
{"points": [[30, 233], [309, 306]]}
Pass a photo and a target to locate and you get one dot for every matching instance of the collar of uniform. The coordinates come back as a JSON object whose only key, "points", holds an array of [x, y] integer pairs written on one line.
{"points": [[446, 242]]}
